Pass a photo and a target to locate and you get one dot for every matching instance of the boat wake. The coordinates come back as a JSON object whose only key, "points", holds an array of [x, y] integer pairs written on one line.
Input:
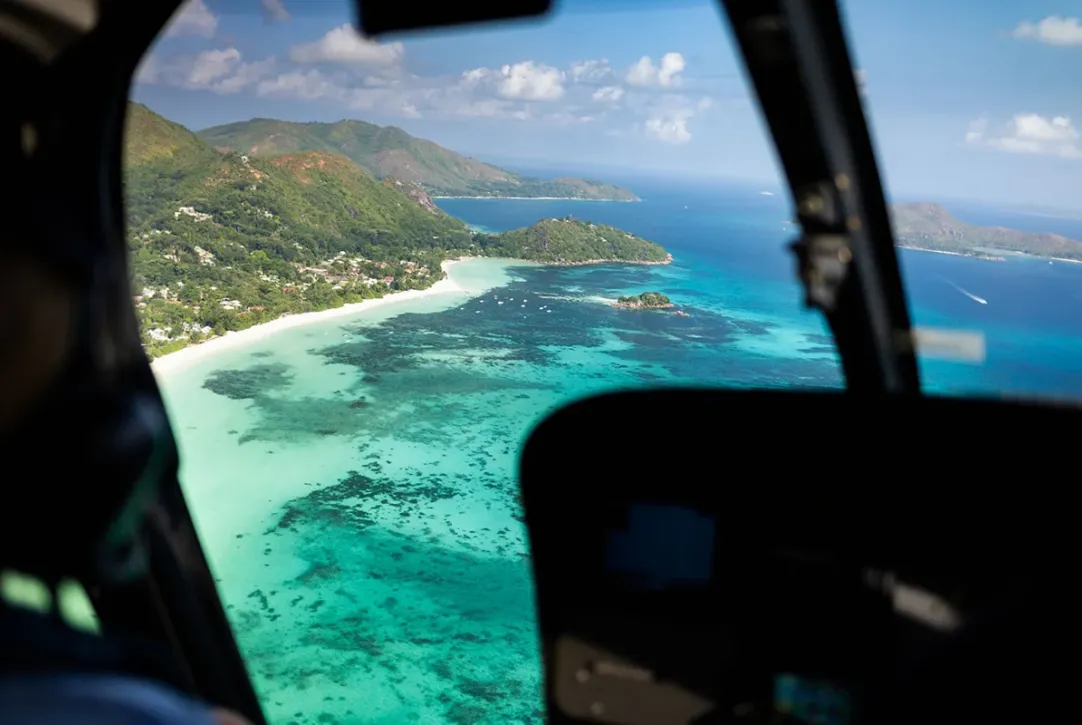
{"points": [[598, 299], [967, 293], [571, 298]]}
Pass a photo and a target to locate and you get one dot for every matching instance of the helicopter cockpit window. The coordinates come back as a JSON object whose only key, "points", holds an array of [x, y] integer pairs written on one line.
{"points": [[366, 269]]}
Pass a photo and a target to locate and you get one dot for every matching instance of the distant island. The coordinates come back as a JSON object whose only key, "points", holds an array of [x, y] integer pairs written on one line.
{"points": [[645, 301], [390, 152], [930, 227], [222, 241]]}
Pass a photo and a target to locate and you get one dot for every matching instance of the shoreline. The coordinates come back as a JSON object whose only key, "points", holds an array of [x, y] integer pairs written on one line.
{"points": [[987, 258], [187, 356], [539, 198], [196, 352], [990, 257], [667, 260]]}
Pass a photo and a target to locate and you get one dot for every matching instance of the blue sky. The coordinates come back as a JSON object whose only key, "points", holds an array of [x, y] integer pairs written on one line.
{"points": [[969, 99]]}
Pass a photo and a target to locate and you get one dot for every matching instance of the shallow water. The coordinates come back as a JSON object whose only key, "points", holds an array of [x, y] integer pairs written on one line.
{"points": [[354, 482]]}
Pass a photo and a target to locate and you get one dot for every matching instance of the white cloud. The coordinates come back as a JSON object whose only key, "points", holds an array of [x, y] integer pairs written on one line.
{"points": [[193, 18], [1029, 133], [345, 45], [312, 85], [211, 65], [1053, 30], [474, 94], [608, 94], [671, 127], [527, 91], [477, 76], [221, 71], [274, 10], [531, 81], [509, 92], [243, 76], [665, 73], [471, 95], [378, 81], [300, 85], [591, 71], [668, 116]]}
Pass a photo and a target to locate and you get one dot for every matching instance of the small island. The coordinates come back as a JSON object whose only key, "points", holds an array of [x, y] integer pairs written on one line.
{"points": [[571, 242], [645, 301]]}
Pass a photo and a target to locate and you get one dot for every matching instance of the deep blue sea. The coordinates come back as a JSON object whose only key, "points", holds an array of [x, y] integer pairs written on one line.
{"points": [[353, 478], [730, 242]]}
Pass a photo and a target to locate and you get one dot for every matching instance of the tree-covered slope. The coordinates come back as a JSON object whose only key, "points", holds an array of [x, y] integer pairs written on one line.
{"points": [[224, 241], [149, 137], [387, 151], [302, 206]]}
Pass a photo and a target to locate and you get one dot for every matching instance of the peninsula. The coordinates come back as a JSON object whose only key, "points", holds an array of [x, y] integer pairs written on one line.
{"points": [[930, 227]]}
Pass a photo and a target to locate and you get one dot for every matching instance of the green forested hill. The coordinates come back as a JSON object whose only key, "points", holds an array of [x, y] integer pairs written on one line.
{"points": [[223, 241], [150, 138], [571, 241], [387, 151]]}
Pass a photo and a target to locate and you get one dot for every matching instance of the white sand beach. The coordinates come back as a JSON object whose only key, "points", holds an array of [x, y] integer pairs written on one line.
{"points": [[192, 354]]}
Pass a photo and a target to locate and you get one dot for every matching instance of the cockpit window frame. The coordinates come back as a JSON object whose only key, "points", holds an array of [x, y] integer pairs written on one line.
{"points": [[797, 57]]}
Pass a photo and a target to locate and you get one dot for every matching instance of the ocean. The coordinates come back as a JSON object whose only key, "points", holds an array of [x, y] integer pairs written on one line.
{"points": [[352, 479]]}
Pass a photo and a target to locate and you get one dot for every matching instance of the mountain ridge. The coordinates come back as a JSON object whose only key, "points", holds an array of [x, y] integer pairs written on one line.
{"points": [[389, 151]]}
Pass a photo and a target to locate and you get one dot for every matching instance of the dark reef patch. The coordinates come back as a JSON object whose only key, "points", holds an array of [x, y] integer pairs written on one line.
{"points": [[356, 499], [415, 371], [452, 627], [249, 383]]}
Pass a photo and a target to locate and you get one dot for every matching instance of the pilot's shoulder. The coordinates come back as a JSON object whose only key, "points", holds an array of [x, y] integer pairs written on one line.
{"points": [[90, 699]]}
